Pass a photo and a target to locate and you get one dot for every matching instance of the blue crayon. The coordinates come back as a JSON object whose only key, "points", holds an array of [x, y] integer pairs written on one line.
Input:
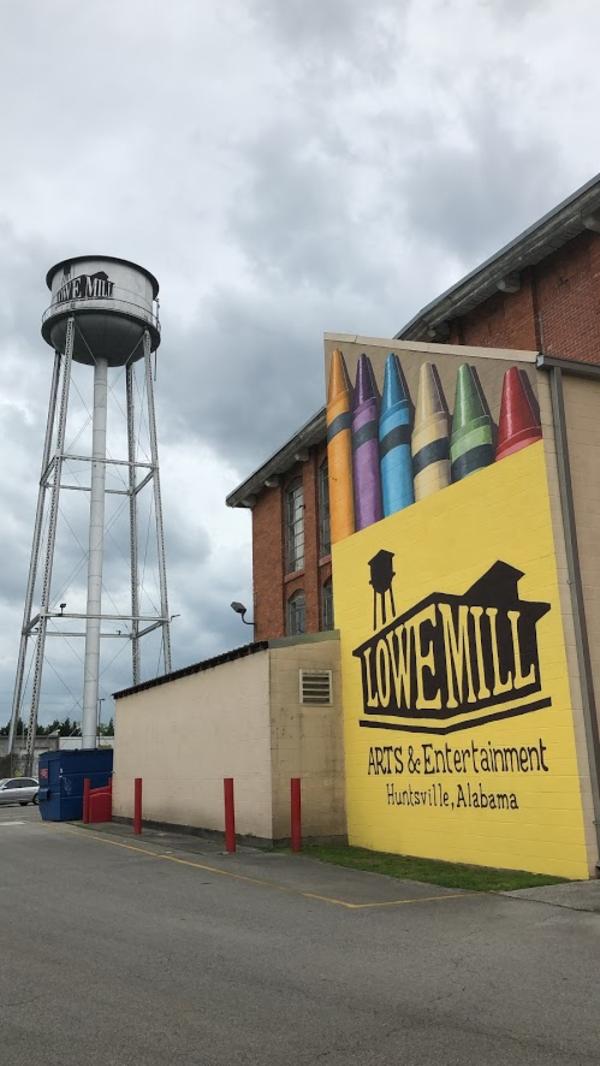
{"points": [[394, 440]]}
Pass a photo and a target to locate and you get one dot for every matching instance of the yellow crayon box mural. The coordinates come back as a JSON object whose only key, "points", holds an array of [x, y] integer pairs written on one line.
{"points": [[458, 721]]}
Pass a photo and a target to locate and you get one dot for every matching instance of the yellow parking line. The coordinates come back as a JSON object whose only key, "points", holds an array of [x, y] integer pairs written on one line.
{"points": [[257, 880], [414, 899]]}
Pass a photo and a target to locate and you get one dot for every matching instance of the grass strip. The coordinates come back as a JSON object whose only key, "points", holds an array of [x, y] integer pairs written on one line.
{"points": [[431, 871]]}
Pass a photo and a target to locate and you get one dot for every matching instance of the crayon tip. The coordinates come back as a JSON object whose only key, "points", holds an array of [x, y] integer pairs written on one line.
{"points": [[365, 388], [518, 424], [339, 382], [468, 404], [430, 398], [394, 385]]}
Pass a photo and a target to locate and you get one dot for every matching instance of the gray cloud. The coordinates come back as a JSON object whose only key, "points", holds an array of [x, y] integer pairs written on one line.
{"points": [[339, 36], [477, 195]]}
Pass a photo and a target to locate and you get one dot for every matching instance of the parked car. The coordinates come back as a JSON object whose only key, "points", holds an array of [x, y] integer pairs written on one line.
{"points": [[21, 790]]}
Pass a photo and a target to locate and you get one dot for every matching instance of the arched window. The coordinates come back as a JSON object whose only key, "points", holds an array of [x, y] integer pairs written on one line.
{"points": [[324, 530], [295, 614], [327, 605], [294, 526]]}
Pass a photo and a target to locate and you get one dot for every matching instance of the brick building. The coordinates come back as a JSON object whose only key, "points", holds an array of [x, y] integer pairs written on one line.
{"points": [[540, 292], [291, 561]]}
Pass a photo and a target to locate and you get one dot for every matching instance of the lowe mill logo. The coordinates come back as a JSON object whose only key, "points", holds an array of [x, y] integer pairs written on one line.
{"points": [[85, 287], [451, 662]]}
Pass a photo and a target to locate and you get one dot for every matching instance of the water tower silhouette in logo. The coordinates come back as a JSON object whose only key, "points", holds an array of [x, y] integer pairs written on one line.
{"points": [[103, 313]]}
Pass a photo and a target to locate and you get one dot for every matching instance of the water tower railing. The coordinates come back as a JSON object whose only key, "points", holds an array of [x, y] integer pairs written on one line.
{"points": [[119, 302]]}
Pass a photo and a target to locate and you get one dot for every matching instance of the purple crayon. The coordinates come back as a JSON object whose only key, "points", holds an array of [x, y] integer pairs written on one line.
{"points": [[365, 446]]}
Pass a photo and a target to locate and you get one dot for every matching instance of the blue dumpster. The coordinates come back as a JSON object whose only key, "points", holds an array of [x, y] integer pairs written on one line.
{"points": [[61, 776]]}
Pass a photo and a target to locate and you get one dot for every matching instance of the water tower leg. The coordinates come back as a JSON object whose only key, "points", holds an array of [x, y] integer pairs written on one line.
{"points": [[35, 554], [91, 667], [160, 532], [133, 526], [67, 360]]}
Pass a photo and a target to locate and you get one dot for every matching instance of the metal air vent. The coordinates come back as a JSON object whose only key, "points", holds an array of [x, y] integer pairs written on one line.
{"points": [[315, 686]]}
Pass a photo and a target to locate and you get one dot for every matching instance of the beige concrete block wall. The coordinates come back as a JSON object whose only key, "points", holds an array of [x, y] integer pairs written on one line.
{"points": [[185, 736], [307, 741], [582, 412], [546, 416]]}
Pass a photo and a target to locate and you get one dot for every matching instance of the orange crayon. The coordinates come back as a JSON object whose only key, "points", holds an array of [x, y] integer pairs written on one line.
{"points": [[339, 449]]}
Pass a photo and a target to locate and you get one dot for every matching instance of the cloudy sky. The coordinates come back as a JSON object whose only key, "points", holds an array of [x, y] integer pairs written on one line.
{"points": [[284, 167]]}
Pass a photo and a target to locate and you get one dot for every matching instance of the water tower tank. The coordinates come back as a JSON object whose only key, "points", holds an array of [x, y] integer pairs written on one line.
{"points": [[113, 302]]}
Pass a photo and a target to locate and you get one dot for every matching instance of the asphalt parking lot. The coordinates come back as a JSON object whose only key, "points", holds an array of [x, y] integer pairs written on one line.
{"points": [[160, 949]]}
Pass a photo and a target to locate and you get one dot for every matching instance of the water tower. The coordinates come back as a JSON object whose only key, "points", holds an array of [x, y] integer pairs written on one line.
{"points": [[103, 313]]}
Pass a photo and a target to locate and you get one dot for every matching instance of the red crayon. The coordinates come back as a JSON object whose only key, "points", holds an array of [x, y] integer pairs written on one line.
{"points": [[519, 424]]}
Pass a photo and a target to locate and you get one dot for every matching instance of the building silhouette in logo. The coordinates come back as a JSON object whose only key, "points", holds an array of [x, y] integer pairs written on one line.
{"points": [[451, 661]]}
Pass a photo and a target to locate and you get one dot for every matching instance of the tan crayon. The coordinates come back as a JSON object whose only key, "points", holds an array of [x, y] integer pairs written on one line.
{"points": [[431, 435]]}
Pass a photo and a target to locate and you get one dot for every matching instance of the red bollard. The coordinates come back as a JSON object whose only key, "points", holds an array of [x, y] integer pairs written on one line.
{"points": [[296, 814], [86, 800], [137, 805], [229, 815]]}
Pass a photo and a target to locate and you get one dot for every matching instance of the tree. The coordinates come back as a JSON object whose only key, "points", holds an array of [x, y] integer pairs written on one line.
{"points": [[52, 727], [69, 728], [5, 729], [66, 728]]}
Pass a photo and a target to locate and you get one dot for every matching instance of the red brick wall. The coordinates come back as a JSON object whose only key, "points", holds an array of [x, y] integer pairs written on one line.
{"points": [[324, 562], [557, 309], [568, 297], [272, 586], [267, 565], [506, 320]]}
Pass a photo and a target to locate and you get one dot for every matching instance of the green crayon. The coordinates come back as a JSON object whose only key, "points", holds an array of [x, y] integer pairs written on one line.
{"points": [[471, 442]]}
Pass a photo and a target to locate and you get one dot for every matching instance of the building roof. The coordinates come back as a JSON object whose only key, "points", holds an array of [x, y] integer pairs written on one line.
{"points": [[575, 215], [196, 668], [227, 657], [312, 432], [578, 213]]}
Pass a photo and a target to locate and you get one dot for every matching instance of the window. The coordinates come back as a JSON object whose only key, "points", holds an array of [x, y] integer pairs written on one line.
{"points": [[327, 605], [294, 527], [295, 614], [324, 533]]}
